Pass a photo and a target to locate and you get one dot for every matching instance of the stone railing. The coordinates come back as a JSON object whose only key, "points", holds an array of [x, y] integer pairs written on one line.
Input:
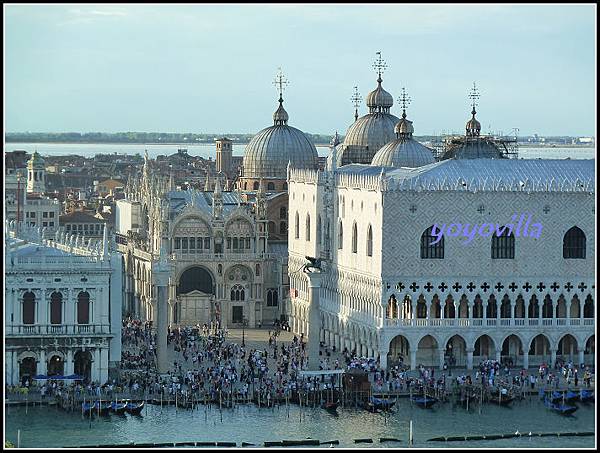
{"points": [[487, 322], [179, 255], [57, 329]]}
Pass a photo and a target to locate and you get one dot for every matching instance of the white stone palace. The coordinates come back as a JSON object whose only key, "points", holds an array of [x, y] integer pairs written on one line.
{"points": [[62, 301], [387, 291]]}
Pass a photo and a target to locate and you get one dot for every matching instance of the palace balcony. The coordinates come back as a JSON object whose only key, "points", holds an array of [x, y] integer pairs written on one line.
{"points": [[486, 323], [34, 330]]}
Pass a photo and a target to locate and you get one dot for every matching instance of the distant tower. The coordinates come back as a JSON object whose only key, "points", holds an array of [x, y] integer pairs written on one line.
{"points": [[36, 174], [224, 152]]}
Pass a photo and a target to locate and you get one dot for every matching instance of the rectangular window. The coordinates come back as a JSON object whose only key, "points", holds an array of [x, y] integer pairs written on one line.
{"points": [[44, 224], [248, 243], [80, 227], [177, 243], [193, 243], [199, 243], [51, 224], [32, 215], [228, 243], [51, 215], [68, 227], [45, 215], [235, 243], [207, 243], [184, 243]]}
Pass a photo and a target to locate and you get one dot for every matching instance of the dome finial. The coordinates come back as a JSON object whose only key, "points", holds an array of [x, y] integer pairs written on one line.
{"points": [[379, 67], [404, 100], [356, 100], [473, 126], [280, 117]]}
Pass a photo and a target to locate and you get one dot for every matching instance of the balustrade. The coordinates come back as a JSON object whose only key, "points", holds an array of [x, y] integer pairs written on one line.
{"points": [[460, 322], [62, 329]]}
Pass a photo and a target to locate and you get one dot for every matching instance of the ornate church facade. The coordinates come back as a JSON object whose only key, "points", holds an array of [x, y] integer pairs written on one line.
{"points": [[220, 267]]}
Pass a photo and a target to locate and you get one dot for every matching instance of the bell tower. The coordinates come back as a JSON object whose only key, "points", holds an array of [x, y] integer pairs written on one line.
{"points": [[224, 152]]}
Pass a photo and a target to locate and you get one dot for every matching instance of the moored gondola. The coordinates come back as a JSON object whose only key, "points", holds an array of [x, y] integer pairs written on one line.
{"points": [[87, 407], [563, 409], [118, 408], [424, 401], [502, 398], [382, 404], [586, 396], [102, 407], [134, 408], [330, 407]]}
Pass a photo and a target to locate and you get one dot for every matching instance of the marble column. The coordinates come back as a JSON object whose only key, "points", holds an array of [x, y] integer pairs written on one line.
{"points": [[441, 355], [525, 359], [470, 358], [160, 273], [96, 366], [42, 366], [552, 357], [498, 355], [314, 317], [383, 359], [413, 359], [580, 352], [69, 365]]}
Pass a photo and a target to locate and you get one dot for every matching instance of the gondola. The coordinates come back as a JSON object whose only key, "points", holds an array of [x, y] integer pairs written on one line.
{"points": [[134, 408], [502, 399], [87, 408], [586, 396], [556, 397], [330, 407], [102, 407], [382, 404], [424, 401], [563, 409], [118, 408], [571, 396]]}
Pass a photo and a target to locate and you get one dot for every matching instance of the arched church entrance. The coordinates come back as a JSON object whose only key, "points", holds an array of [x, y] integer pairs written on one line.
{"points": [[195, 295]]}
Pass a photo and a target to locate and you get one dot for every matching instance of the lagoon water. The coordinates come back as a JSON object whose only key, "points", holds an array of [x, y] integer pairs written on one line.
{"points": [[52, 427], [208, 150]]}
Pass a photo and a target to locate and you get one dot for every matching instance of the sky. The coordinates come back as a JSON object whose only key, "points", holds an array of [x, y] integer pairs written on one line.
{"points": [[210, 68]]}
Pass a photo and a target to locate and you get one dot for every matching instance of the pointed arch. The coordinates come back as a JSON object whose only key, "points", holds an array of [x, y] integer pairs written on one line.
{"points": [[340, 235], [307, 233], [297, 226], [354, 238], [370, 240]]}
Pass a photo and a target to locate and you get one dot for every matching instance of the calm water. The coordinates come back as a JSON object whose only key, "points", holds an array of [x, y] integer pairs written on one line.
{"points": [[208, 150], [50, 427]]}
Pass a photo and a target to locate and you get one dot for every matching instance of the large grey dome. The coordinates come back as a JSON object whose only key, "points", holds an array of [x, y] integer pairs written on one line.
{"points": [[403, 152], [268, 153]]}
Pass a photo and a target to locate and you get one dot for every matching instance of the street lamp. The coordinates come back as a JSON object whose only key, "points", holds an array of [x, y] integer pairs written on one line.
{"points": [[244, 324]]}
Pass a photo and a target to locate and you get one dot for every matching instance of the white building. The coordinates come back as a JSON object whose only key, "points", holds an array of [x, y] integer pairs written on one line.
{"points": [[62, 306], [387, 292]]}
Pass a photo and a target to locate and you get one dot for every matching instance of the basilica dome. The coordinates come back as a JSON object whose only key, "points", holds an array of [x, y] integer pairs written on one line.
{"points": [[268, 153], [404, 151]]}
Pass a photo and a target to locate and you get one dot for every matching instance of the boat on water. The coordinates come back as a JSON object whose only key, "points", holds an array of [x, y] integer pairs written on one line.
{"points": [[330, 407], [424, 401], [561, 397], [586, 396], [563, 409], [382, 404], [118, 408], [102, 407], [502, 397], [134, 408], [87, 407]]}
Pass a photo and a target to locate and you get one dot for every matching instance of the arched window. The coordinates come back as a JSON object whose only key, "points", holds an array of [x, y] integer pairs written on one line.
{"points": [[308, 227], [370, 241], [574, 244], [257, 270], [503, 246], [238, 293], [429, 250], [297, 229], [354, 238], [283, 213], [255, 185], [56, 308], [83, 308], [29, 308], [340, 236], [319, 234], [272, 298], [270, 186], [245, 186], [283, 228]]}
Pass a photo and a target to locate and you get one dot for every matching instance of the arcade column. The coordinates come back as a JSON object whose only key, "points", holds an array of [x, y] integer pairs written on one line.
{"points": [[161, 272], [314, 316]]}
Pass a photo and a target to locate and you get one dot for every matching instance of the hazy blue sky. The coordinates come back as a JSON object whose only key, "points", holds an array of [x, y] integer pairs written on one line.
{"points": [[210, 68]]}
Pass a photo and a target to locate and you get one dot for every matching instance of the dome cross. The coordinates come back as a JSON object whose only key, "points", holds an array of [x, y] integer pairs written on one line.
{"points": [[380, 66], [405, 101], [281, 82], [474, 96], [356, 100]]}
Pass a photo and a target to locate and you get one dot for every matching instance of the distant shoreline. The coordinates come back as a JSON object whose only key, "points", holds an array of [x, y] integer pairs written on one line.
{"points": [[521, 145]]}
